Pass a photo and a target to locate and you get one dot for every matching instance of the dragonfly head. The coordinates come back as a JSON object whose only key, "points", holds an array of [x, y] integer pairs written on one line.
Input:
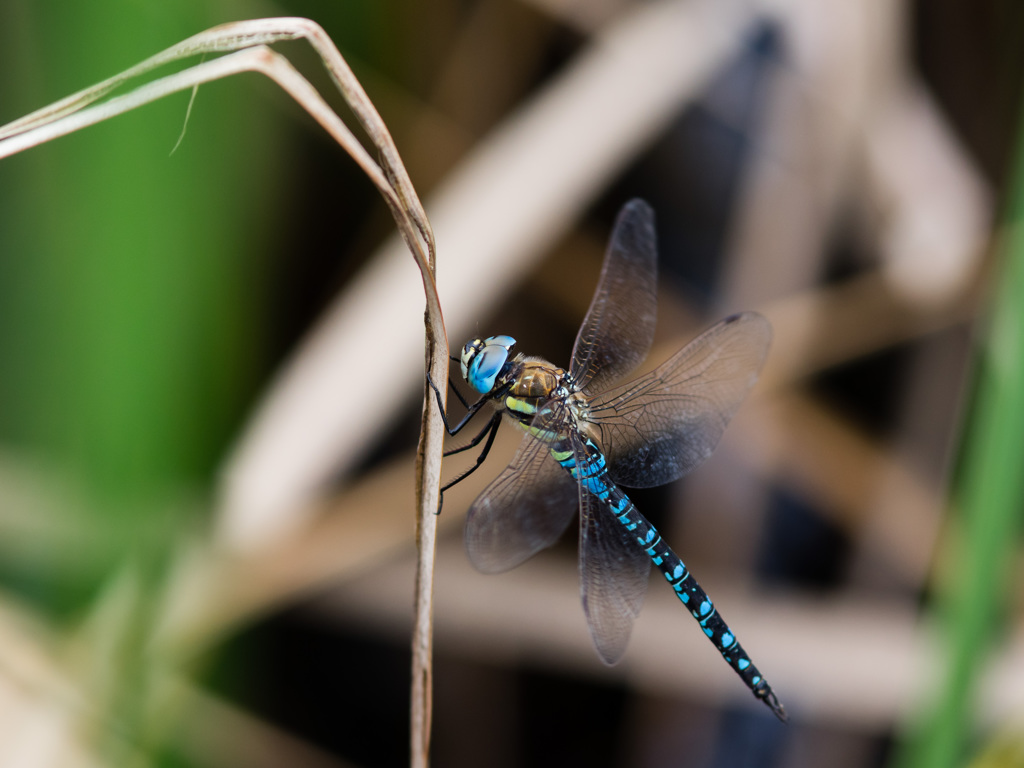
{"points": [[483, 359]]}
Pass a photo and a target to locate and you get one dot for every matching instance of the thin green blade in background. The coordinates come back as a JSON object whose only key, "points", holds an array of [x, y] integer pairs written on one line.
{"points": [[989, 503]]}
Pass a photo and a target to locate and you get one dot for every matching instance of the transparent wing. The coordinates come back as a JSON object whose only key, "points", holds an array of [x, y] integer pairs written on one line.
{"points": [[617, 332], [660, 426], [613, 576], [525, 509]]}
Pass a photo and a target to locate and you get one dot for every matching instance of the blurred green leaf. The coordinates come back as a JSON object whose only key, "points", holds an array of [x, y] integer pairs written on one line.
{"points": [[131, 279], [989, 499]]}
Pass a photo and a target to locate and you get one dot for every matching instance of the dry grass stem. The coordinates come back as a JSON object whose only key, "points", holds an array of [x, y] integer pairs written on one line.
{"points": [[247, 41]]}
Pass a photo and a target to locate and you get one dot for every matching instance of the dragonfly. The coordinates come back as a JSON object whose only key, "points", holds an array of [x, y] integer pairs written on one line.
{"points": [[587, 436]]}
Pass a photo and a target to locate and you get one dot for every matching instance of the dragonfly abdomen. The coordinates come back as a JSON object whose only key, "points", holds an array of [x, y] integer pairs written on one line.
{"points": [[592, 474]]}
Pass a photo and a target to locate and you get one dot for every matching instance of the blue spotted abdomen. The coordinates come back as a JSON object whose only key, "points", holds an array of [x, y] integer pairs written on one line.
{"points": [[592, 474]]}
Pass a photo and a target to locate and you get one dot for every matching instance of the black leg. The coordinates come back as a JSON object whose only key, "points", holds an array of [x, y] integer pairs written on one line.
{"points": [[476, 440], [471, 410], [491, 430], [455, 390]]}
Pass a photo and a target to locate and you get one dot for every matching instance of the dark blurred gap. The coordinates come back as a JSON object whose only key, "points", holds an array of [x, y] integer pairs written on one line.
{"points": [[801, 547], [869, 391], [346, 692], [477, 714], [340, 689], [558, 716], [324, 244], [971, 58], [669, 731], [749, 740]]}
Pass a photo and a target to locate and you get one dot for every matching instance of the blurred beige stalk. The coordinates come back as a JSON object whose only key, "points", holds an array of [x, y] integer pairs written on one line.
{"points": [[46, 714], [41, 712]]}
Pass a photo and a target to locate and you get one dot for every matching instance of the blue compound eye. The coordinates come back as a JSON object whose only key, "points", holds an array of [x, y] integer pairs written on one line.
{"points": [[482, 361]]}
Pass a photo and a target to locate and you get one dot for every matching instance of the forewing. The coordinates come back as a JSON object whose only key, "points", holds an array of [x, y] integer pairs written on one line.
{"points": [[614, 570], [525, 509], [617, 332], [660, 426]]}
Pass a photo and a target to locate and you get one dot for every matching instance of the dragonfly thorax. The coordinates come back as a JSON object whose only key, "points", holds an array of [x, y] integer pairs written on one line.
{"points": [[537, 379], [537, 387]]}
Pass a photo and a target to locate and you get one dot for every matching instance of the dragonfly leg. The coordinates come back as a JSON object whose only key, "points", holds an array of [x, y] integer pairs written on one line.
{"points": [[471, 409], [455, 391], [488, 427], [491, 430]]}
